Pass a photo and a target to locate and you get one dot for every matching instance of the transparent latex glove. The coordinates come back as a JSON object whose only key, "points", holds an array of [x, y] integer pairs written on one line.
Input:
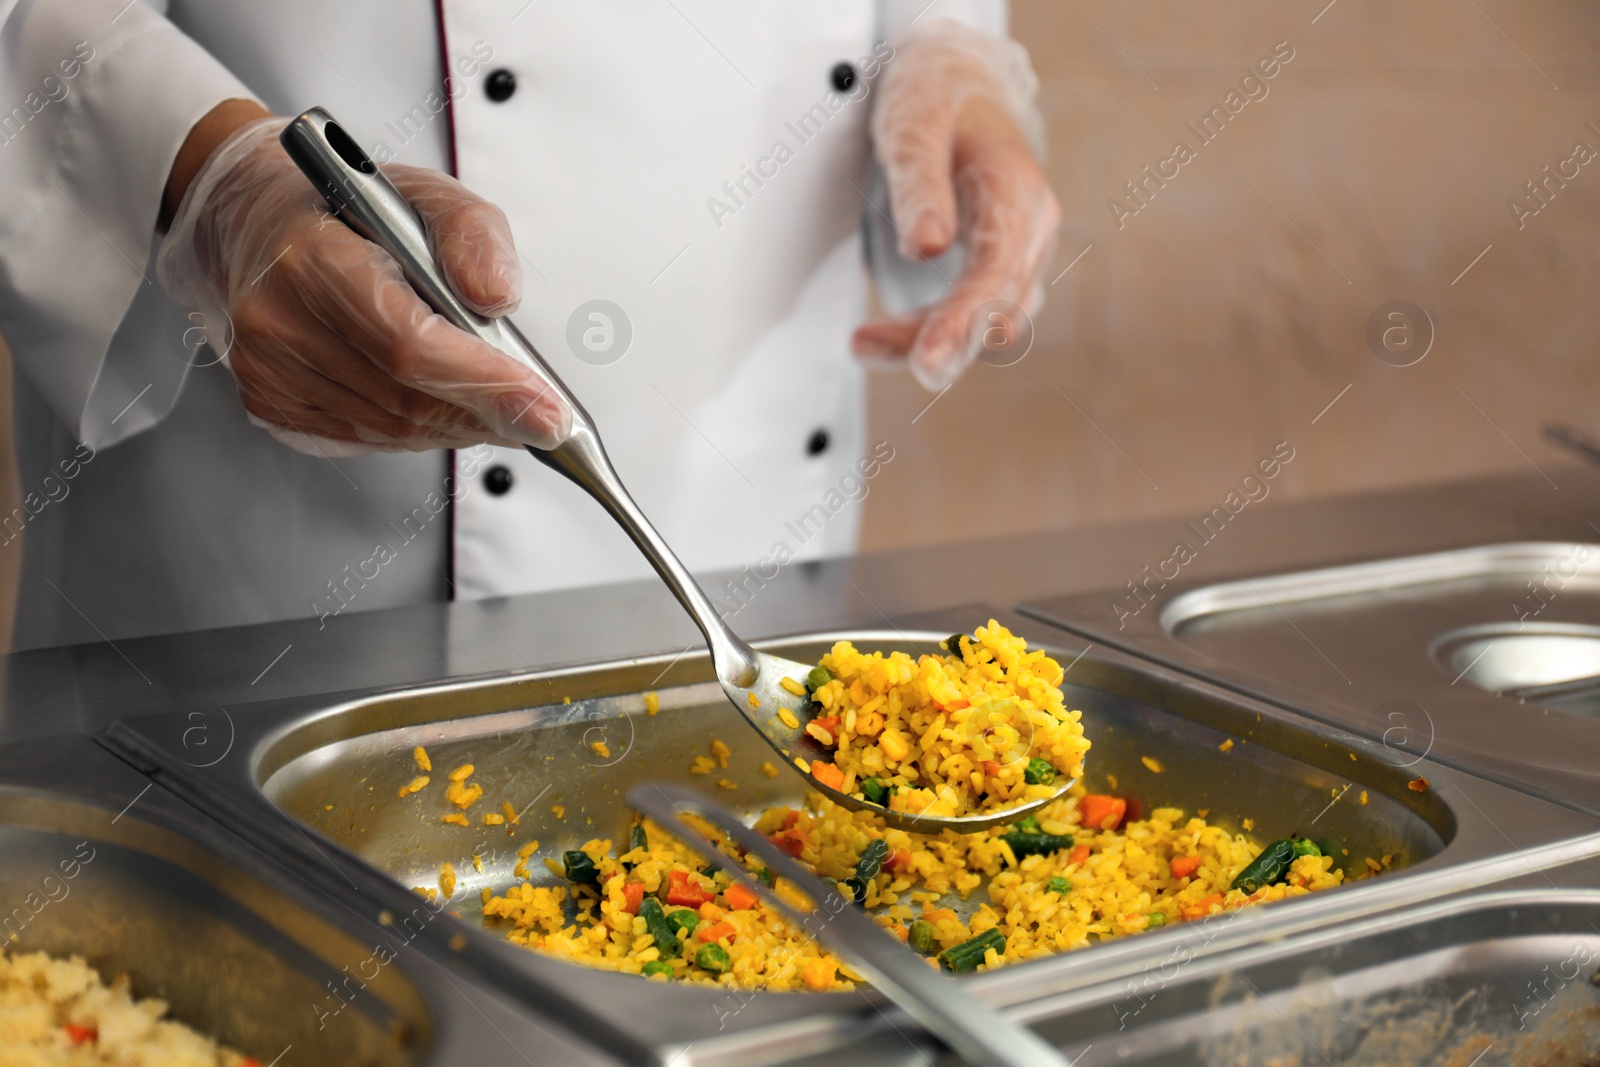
{"points": [[954, 127], [332, 350]]}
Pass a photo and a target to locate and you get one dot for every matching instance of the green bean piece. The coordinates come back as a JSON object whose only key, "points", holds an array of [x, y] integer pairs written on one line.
{"points": [[871, 861], [921, 936], [1059, 885], [1305, 847], [819, 677], [967, 955], [713, 958], [636, 839], [1333, 847], [682, 919], [1269, 867], [875, 791], [580, 868], [1036, 843], [1039, 772], [854, 890], [656, 967], [953, 643], [659, 927]]}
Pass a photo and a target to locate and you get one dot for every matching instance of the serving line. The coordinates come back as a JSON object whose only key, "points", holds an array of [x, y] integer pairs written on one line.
{"points": [[85, 687], [1482, 657], [296, 758]]}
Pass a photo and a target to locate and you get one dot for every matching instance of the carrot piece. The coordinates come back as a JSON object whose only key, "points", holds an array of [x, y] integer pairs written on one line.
{"points": [[791, 841], [683, 892], [935, 915], [827, 774], [991, 768], [78, 1034], [632, 897], [740, 897], [1199, 909], [1102, 812], [899, 860], [716, 932], [1184, 866], [1078, 855]]}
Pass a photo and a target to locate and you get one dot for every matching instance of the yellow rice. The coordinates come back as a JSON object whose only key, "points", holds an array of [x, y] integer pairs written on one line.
{"points": [[1118, 881], [949, 735], [58, 1011], [1124, 880]]}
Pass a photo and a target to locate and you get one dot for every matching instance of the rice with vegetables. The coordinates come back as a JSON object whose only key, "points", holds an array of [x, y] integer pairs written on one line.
{"points": [[1078, 872], [58, 1011], [981, 728]]}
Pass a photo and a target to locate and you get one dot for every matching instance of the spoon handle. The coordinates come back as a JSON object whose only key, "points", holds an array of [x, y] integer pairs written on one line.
{"points": [[363, 198]]}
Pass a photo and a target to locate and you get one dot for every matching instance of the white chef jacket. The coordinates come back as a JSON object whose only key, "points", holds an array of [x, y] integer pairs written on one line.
{"points": [[690, 162]]}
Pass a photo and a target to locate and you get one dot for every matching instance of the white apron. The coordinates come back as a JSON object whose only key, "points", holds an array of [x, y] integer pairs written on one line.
{"points": [[693, 165]]}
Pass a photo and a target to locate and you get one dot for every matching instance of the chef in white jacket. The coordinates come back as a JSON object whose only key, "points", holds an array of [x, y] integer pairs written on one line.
{"points": [[670, 195]]}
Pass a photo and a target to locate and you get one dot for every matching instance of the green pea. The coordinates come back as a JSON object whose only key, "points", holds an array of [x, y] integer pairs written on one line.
{"points": [[683, 919], [765, 877], [1060, 885], [875, 791], [1155, 919], [1305, 847], [819, 677], [713, 958], [656, 967], [1039, 772], [921, 936]]}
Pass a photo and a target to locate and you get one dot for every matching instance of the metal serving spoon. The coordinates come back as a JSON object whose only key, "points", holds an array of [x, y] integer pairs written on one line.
{"points": [[365, 200], [972, 1029]]}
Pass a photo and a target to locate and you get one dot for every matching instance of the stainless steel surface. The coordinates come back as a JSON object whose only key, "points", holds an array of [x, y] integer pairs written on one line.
{"points": [[1478, 980], [972, 1031], [363, 197], [85, 687], [1526, 661], [95, 862], [1390, 648], [529, 746]]}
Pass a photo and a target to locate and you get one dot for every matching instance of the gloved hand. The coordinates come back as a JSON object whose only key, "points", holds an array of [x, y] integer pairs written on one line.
{"points": [[332, 350], [952, 126]]}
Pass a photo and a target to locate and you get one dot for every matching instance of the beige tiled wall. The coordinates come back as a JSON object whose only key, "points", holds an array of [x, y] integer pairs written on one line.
{"points": [[1229, 312]]}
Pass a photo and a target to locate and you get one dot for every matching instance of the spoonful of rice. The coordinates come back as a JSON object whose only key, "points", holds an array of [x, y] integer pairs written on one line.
{"points": [[961, 741]]}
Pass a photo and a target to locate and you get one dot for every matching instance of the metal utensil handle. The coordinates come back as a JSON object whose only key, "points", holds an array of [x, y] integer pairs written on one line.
{"points": [[363, 198], [970, 1027]]}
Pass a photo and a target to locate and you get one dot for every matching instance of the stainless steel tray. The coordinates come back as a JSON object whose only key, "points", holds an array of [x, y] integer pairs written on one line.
{"points": [[1482, 658], [314, 784], [96, 861], [1482, 980]]}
